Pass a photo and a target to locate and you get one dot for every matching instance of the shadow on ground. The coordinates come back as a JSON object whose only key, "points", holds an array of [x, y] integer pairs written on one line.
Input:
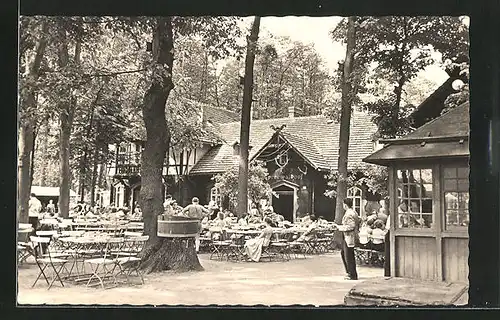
{"points": [[317, 280]]}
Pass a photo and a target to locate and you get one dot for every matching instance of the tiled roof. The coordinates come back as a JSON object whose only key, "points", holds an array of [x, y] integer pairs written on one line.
{"points": [[314, 137], [219, 115], [213, 115], [451, 124], [445, 136], [307, 149]]}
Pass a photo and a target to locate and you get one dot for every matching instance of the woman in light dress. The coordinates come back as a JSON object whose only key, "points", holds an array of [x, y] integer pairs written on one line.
{"points": [[253, 247]]}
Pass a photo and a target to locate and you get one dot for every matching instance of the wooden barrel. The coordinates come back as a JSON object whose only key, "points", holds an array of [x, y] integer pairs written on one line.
{"points": [[178, 227]]}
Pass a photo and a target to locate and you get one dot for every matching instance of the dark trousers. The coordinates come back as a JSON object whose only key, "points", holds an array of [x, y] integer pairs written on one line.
{"points": [[349, 261], [34, 223], [387, 261]]}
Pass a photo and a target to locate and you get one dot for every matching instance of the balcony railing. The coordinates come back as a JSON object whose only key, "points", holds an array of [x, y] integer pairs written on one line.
{"points": [[128, 170]]}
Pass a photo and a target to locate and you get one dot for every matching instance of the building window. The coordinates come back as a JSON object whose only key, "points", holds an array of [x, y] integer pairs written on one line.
{"points": [[415, 202], [216, 196], [355, 194], [456, 197]]}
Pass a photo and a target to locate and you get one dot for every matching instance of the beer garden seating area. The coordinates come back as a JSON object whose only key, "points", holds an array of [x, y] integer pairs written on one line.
{"points": [[89, 251], [96, 252]]}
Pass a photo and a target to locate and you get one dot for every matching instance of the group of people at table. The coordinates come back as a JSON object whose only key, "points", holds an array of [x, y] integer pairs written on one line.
{"points": [[356, 231], [368, 232]]}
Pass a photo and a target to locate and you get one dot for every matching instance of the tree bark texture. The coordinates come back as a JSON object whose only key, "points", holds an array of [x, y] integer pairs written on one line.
{"points": [[66, 114], [160, 253], [177, 254], [33, 148], [44, 150], [94, 174], [345, 120], [245, 118], [157, 142], [26, 129], [25, 146]]}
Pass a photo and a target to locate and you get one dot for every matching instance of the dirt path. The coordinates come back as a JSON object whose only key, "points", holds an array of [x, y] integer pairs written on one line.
{"points": [[317, 280]]}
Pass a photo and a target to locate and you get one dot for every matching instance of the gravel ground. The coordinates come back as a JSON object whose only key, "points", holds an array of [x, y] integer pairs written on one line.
{"points": [[317, 280]]}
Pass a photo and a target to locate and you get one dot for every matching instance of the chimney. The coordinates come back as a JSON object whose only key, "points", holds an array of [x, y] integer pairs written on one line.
{"points": [[291, 111]]}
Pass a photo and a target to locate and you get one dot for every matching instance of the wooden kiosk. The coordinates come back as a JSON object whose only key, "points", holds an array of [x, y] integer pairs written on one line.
{"points": [[429, 199]]}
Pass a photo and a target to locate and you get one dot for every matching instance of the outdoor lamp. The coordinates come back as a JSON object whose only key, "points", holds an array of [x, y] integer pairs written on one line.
{"points": [[457, 85]]}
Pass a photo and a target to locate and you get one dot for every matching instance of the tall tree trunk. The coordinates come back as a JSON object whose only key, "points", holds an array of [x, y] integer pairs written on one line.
{"points": [[32, 171], [345, 120], [27, 127], [245, 118], [94, 174], [44, 150], [66, 115], [25, 145], [83, 161], [153, 112], [160, 253]]}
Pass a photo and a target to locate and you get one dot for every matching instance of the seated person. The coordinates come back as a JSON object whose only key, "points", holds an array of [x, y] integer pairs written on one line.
{"points": [[310, 232], [254, 219], [307, 219], [119, 214], [322, 221], [378, 235], [205, 222], [137, 213], [243, 221], [364, 235], [220, 221], [253, 247], [229, 218], [254, 211]]}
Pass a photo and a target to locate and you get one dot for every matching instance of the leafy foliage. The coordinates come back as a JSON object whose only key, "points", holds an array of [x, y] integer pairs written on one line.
{"points": [[258, 185], [374, 178], [396, 48]]}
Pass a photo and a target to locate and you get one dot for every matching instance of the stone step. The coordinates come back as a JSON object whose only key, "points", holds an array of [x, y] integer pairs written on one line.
{"points": [[394, 291]]}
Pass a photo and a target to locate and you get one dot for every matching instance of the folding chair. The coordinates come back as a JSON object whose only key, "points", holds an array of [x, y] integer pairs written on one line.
{"points": [[104, 267], [23, 246], [236, 250], [127, 257], [280, 250], [219, 249], [44, 262]]}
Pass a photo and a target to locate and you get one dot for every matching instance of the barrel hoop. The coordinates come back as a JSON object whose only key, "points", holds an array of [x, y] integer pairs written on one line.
{"points": [[178, 221], [166, 235]]}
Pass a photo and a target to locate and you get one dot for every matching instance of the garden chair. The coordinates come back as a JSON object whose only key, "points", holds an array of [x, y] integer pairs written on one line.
{"points": [[23, 245], [128, 259], [236, 250], [219, 249], [280, 249], [49, 263], [104, 267]]}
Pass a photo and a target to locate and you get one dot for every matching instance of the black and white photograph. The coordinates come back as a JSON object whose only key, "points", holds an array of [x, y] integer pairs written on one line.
{"points": [[243, 160]]}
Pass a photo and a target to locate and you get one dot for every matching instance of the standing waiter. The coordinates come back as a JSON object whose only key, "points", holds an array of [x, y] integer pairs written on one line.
{"points": [[35, 206], [196, 211], [349, 228]]}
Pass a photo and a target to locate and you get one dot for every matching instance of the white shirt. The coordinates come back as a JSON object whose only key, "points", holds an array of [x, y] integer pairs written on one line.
{"points": [[378, 236], [35, 206]]}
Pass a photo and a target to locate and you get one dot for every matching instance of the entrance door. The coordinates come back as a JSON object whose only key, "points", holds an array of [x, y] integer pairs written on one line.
{"points": [[284, 204]]}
